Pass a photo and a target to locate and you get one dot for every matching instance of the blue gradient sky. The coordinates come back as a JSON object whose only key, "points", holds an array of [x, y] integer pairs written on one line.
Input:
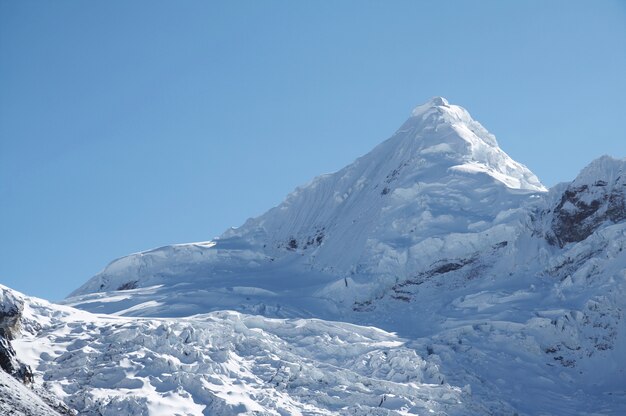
{"points": [[130, 125]]}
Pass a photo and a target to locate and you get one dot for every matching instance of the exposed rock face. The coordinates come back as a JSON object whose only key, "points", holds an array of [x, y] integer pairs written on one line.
{"points": [[19, 395], [10, 318], [595, 197], [10, 364], [10, 313]]}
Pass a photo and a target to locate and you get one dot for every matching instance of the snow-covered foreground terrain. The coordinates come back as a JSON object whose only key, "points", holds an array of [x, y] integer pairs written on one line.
{"points": [[506, 298], [226, 363]]}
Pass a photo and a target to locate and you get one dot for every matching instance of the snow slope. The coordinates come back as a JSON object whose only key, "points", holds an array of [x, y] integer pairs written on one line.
{"points": [[18, 400], [227, 363]]}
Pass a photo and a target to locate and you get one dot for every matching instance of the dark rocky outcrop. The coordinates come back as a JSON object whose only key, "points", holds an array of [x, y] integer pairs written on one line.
{"points": [[10, 364], [597, 196], [18, 394], [583, 209], [10, 314]]}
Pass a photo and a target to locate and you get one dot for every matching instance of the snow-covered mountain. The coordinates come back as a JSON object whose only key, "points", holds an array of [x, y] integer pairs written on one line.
{"points": [[439, 188], [510, 295]]}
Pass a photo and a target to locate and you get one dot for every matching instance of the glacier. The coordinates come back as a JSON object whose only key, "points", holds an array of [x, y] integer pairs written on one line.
{"points": [[433, 275]]}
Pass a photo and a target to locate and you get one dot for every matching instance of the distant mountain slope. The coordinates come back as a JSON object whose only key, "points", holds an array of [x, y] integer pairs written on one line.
{"points": [[439, 188]]}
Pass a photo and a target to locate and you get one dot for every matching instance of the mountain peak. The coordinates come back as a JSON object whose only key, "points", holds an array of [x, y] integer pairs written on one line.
{"points": [[432, 104], [606, 169], [447, 134], [438, 112], [441, 173]]}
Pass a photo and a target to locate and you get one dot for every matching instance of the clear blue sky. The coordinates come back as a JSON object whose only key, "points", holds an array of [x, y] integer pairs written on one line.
{"points": [[130, 125]]}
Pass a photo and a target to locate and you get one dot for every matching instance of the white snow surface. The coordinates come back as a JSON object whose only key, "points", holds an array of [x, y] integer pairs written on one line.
{"points": [[228, 363], [18, 400], [435, 235]]}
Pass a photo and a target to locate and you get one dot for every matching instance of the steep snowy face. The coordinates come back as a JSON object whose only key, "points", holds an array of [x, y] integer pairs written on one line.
{"points": [[466, 143], [597, 196], [18, 400], [439, 189], [440, 173]]}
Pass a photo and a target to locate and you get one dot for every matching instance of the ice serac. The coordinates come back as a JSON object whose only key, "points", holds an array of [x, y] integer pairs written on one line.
{"points": [[390, 214], [222, 363]]}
